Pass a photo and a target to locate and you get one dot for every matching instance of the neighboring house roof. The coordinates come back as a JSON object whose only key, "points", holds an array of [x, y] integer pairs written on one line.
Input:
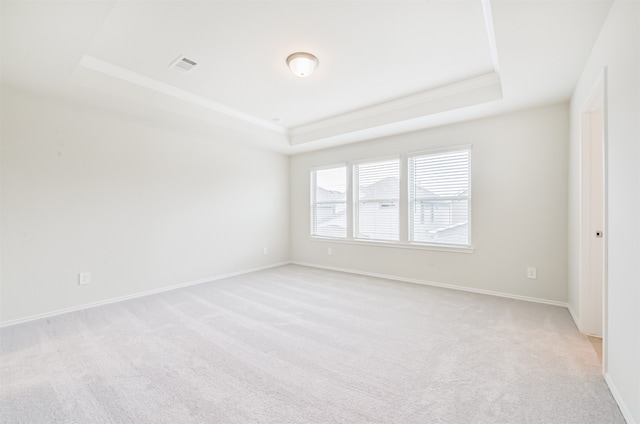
{"points": [[388, 188], [456, 233], [337, 220], [324, 195], [423, 192]]}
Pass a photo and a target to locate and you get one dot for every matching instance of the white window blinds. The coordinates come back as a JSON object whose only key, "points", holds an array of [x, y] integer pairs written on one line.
{"points": [[439, 193], [329, 202], [376, 195]]}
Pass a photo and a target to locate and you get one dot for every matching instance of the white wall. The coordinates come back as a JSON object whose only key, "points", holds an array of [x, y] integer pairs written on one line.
{"points": [[139, 206], [519, 201], [617, 49]]}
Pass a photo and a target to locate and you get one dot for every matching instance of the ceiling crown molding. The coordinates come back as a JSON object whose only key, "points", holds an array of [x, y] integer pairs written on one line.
{"points": [[472, 91], [115, 71]]}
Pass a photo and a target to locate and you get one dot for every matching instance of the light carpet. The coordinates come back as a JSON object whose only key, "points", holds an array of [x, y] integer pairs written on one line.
{"points": [[301, 345]]}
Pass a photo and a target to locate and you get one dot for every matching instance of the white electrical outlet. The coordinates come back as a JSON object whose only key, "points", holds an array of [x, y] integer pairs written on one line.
{"points": [[329, 251], [84, 278], [265, 251], [531, 273]]}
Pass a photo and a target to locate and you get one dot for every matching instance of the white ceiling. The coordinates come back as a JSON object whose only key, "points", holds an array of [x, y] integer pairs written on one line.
{"points": [[385, 66]]}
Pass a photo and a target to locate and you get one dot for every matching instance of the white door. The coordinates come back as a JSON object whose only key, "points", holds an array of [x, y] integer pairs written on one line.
{"points": [[596, 219]]}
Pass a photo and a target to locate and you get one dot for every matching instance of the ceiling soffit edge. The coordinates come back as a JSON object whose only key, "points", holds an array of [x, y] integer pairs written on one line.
{"points": [[115, 71], [440, 99], [447, 98], [475, 90]]}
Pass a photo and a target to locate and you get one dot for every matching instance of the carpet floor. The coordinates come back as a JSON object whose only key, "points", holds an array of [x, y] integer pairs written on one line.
{"points": [[301, 345]]}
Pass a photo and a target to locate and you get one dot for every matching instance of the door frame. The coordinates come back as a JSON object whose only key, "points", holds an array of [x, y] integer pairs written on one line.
{"points": [[596, 98]]}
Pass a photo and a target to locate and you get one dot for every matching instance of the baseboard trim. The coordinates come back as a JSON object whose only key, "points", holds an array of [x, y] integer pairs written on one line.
{"points": [[134, 295], [626, 413], [435, 284], [576, 321]]}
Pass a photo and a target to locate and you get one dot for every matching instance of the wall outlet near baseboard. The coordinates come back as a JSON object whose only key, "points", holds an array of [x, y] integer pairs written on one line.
{"points": [[265, 251], [84, 278], [532, 273], [329, 251]]}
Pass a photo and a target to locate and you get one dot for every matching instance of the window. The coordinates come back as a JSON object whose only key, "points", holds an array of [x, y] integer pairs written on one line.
{"points": [[376, 195], [439, 208], [417, 200], [329, 202]]}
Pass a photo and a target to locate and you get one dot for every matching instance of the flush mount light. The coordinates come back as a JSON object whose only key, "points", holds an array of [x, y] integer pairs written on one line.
{"points": [[302, 64]]}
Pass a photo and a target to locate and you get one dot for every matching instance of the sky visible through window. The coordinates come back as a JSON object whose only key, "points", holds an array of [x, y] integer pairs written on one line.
{"points": [[334, 179], [444, 174]]}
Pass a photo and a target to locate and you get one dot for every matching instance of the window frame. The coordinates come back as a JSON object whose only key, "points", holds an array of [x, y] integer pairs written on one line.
{"points": [[312, 205], [356, 197], [404, 209], [457, 148]]}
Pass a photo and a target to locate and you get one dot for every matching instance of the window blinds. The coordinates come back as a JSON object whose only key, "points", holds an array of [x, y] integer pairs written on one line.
{"points": [[439, 192], [329, 202], [376, 195]]}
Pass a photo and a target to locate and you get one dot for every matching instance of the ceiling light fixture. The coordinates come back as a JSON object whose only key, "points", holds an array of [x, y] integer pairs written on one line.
{"points": [[302, 64]]}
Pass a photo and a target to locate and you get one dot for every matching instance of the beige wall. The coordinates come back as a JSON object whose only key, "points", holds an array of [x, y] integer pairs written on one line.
{"points": [[519, 201], [617, 49], [139, 206]]}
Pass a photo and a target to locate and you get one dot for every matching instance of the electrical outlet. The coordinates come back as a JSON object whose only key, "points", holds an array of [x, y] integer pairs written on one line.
{"points": [[531, 273], [84, 278], [265, 251], [329, 251]]}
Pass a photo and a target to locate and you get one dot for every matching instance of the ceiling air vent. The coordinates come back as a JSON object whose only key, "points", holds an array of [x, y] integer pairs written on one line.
{"points": [[183, 64]]}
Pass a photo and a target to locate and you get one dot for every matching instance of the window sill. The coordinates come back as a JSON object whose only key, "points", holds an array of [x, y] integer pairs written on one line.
{"points": [[397, 245]]}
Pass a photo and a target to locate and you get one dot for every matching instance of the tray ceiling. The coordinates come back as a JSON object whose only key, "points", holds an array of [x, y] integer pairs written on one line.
{"points": [[385, 66]]}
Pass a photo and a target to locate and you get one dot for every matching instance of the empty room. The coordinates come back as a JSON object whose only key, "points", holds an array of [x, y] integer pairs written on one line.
{"points": [[320, 211]]}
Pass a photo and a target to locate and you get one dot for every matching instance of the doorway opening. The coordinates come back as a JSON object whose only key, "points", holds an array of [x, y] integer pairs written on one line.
{"points": [[593, 234]]}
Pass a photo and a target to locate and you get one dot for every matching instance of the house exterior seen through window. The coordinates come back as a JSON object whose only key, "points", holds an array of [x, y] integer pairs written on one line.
{"points": [[329, 202], [377, 187], [439, 209], [434, 208]]}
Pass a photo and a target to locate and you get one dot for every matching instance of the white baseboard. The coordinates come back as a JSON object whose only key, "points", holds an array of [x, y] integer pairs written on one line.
{"points": [[133, 296], [614, 391], [626, 413], [431, 283], [219, 277], [576, 320]]}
